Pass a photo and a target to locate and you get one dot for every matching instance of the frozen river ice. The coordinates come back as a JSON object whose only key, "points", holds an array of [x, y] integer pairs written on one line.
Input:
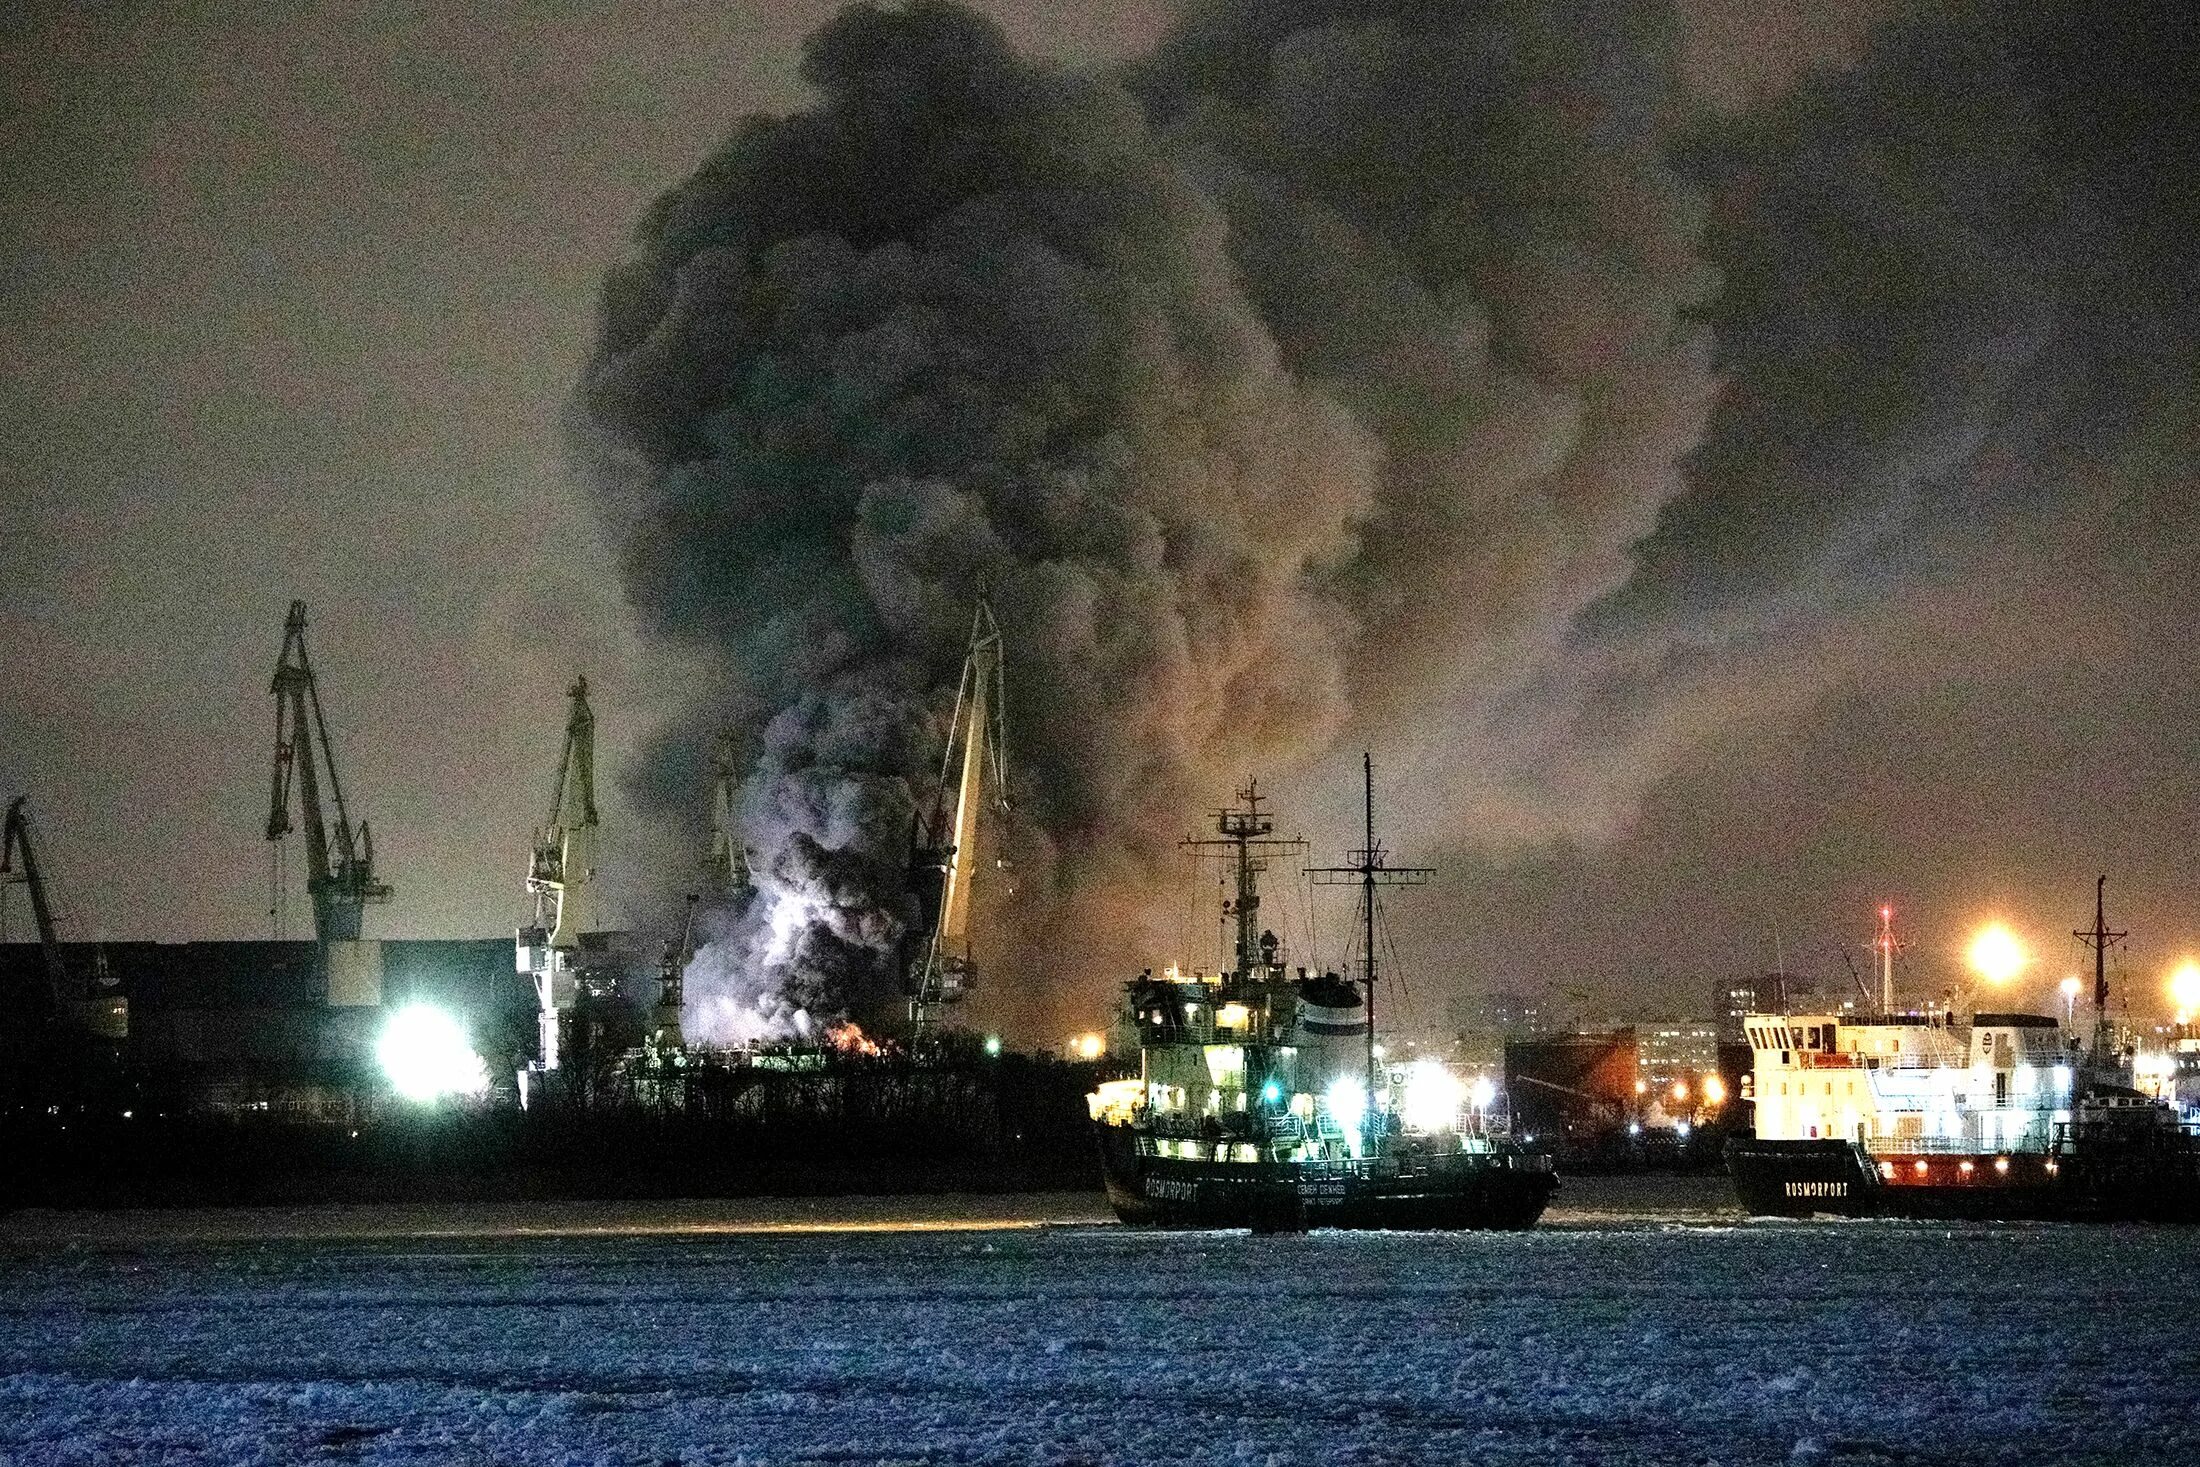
{"points": [[1643, 1325]]}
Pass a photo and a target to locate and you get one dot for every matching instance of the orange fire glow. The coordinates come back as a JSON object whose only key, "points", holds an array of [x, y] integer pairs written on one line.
{"points": [[849, 1039]]}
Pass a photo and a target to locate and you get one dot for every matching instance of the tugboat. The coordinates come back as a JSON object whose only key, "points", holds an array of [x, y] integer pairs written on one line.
{"points": [[1997, 1116], [1261, 1101]]}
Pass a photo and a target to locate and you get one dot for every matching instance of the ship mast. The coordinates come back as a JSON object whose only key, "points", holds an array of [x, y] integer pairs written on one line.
{"points": [[1247, 841], [1369, 870], [2100, 939], [1886, 947]]}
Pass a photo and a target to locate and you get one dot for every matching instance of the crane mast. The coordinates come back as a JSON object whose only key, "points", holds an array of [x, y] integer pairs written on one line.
{"points": [[561, 871], [340, 875], [19, 864], [977, 741], [90, 1003], [665, 1028], [727, 865]]}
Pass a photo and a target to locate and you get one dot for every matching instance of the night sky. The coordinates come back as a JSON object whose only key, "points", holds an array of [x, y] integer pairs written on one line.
{"points": [[1813, 526]]}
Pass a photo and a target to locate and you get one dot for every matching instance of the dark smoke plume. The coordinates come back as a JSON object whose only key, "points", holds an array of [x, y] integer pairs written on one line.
{"points": [[965, 318], [1518, 388], [1461, 221]]}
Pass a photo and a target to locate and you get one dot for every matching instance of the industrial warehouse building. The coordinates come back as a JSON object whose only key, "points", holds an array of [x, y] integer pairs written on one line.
{"points": [[279, 1025]]}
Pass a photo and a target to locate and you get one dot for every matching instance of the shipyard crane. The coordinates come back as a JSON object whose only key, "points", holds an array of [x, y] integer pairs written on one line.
{"points": [[91, 1005], [561, 871], [977, 738], [339, 861], [728, 863], [665, 1028], [19, 865]]}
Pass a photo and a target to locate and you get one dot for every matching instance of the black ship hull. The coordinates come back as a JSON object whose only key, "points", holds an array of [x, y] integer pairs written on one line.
{"points": [[2157, 1182], [1504, 1189]]}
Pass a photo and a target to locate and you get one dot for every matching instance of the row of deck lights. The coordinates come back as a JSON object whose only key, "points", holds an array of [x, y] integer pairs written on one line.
{"points": [[1963, 1168]]}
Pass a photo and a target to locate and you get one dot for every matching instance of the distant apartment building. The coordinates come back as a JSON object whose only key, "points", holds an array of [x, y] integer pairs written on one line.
{"points": [[1677, 1050], [1766, 993], [1482, 1023], [1774, 993]]}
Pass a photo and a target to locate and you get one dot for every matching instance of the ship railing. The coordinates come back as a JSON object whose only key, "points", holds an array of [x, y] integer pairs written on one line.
{"points": [[1952, 1146]]}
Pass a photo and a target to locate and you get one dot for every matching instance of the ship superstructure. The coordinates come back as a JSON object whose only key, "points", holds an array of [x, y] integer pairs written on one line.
{"points": [[1261, 1101], [1952, 1114]]}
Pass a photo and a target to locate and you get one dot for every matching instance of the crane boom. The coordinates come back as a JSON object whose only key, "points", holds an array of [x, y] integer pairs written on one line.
{"points": [[339, 861], [561, 874], [977, 739], [19, 863]]}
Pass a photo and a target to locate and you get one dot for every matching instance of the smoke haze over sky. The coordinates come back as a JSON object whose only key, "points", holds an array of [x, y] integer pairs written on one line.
{"points": [[1740, 465]]}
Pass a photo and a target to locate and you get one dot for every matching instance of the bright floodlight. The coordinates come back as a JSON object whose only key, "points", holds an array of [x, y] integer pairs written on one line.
{"points": [[1432, 1098], [425, 1056], [2184, 989], [1997, 954], [1484, 1093], [1347, 1101]]}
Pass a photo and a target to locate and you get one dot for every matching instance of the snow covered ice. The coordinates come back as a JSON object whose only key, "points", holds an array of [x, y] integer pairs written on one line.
{"points": [[665, 1337]]}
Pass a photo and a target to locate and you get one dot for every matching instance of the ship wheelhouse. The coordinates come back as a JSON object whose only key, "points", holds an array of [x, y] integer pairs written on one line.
{"points": [[1913, 1082]]}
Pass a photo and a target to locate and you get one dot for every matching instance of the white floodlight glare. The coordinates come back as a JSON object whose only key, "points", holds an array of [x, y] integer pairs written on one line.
{"points": [[425, 1055], [1483, 1092], [1433, 1096], [1347, 1100]]}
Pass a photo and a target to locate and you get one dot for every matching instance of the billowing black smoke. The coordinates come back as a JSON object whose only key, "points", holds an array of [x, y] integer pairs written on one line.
{"points": [[966, 319], [1475, 381]]}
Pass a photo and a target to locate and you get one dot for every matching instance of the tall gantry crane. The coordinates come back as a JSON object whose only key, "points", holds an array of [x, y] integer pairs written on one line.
{"points": [[947, 854], [728, 863], [561, 870], [339, 862], [89, 1005], [19, 865]]}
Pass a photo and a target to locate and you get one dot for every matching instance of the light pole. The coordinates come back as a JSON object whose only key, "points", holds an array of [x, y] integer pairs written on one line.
{"points": [[2070, 988]]}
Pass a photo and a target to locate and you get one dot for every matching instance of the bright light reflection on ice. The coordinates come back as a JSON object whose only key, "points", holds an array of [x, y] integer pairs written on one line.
{"points": [[425, 1055]]}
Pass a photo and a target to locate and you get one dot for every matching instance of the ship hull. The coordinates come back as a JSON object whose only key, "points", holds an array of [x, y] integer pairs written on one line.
{"points": [[1504, 1190], [2156, 1183]]}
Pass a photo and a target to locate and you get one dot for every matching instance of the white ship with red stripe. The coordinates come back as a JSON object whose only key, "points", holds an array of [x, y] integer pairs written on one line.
{"points": [[1985, 1115]]}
